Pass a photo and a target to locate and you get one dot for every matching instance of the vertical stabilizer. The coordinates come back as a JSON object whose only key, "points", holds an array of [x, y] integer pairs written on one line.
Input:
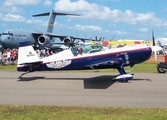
{"points": [[52, 15], [26, 54]]}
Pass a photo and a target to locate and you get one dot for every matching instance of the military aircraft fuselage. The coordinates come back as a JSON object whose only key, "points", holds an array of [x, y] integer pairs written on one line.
{"points": [[12, 38]]}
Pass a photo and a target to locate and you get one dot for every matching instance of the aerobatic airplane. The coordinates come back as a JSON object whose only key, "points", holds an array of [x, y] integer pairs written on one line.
{"points": [[79, 57], [12, 38]]}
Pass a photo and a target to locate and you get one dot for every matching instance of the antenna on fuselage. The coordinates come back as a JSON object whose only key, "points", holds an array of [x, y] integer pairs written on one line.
{"points": [[52, 15]]}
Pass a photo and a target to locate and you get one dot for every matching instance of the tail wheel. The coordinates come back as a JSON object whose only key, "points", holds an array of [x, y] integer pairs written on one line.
{"points": [[30, 68], [160, 70]]}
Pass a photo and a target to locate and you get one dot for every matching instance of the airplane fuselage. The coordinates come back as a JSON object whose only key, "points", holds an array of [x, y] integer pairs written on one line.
{"points": [[12, 38], [111, 58]]}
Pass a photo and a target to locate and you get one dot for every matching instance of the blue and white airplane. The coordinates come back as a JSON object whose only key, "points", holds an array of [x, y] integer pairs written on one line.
{"points": [[80, 57], [12, 38]]}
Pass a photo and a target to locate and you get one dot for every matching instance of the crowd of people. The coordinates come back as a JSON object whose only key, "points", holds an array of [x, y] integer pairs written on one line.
{"points": [[8, 56]]}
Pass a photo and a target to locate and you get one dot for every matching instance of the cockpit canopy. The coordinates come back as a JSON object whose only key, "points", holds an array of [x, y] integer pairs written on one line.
{"points": [[87, 49], [7, 33]]}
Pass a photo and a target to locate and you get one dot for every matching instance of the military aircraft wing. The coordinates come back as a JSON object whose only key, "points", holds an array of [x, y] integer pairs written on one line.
{"points": [[65, 36], [62, 37]]}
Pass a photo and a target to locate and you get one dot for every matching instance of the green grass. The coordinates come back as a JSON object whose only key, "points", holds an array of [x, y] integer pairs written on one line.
{"points": [[143, 67], [21, 112]]}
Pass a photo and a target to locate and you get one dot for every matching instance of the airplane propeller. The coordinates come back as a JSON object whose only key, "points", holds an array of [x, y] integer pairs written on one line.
{"points": [[155, 48], [96, 40]]}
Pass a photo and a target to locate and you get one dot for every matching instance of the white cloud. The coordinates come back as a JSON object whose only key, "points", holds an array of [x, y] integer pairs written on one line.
{"points": [[47, 2], [64, 5], [141, 18], [143, 30], [11, 9], [21, 2], [15, 9], [118, 32], [90, 27], [95, 11], [36, 22], [165, 33], [5, 25], [14, 18], [1, 15]]}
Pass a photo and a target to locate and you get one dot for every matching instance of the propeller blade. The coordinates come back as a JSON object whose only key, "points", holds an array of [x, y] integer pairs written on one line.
{"points": [[155, 48], [153, 39], [100, 39]]}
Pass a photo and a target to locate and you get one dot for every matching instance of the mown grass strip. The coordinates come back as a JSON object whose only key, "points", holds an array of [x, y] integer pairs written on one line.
{"points": [[22, 112]]}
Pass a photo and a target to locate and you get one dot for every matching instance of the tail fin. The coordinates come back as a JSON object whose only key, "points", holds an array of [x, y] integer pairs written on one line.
{"points": [[52, 15], [26, 54]]}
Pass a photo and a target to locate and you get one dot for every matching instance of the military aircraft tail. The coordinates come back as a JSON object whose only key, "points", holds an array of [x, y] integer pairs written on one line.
{"points": [[26, 54], [52, 15]]}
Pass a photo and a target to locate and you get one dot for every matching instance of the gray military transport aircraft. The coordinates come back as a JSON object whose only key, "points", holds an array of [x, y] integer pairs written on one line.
{"points": [[12, 38]]}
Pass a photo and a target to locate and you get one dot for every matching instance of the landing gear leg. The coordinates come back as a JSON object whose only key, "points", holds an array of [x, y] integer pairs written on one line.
{"points": [[30, 69], [121, 70], [24, 74]]}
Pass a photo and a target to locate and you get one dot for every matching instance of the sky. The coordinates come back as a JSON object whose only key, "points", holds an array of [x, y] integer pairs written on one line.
{"points": [[111, 19]]}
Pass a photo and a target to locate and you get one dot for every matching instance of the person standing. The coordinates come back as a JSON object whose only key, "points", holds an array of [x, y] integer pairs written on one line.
{"points": [[165, 57], [9, 56]]}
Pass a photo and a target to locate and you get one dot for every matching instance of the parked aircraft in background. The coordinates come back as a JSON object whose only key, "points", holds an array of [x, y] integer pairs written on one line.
{"points": [[12, 38], [79, 57], [121, 42], [162, 42]]}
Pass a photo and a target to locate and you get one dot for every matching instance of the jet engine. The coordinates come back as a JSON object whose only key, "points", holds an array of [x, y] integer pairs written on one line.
{"points": [[67, 40], [43, 39]]}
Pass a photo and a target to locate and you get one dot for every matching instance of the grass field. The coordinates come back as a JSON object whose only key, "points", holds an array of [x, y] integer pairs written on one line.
{"points": [[21, 112], [28, 112]]}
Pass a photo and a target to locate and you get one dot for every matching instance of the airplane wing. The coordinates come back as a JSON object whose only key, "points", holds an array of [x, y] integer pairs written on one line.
{"points": [[113, 62], [61, 37], [65, 36]]}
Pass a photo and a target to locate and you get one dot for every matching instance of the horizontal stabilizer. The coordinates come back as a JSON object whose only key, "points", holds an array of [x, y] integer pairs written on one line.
{"points": [[55, 13], [30, 63], [43, 14]]}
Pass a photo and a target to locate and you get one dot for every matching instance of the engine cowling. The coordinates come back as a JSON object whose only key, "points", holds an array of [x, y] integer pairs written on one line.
{"points": [[43, 39], [67, 40]]}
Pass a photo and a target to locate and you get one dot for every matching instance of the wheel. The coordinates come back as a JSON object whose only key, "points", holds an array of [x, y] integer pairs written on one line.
{"points": [[160, 70], [123, 81]]}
